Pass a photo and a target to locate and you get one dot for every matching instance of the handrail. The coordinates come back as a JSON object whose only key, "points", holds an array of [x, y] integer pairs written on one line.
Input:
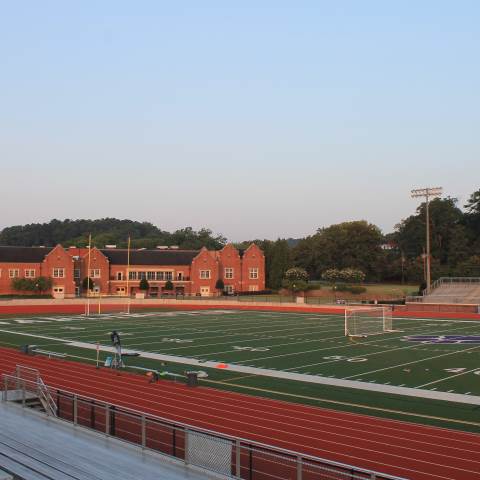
{"points": [[187, 427], [442, 280], [50, 402]]}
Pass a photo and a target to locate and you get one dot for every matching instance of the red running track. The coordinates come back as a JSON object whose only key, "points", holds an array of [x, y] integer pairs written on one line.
{"points": [[413, 451], [339, 310]]}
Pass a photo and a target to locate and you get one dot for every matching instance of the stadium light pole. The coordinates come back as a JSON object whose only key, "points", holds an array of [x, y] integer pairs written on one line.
{"points": [[427, 193]]}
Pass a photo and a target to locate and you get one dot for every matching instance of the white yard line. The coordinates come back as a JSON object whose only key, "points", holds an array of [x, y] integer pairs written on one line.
{"points": [[415, 345], [448, 378], [243, 341], [350, 345], [412, 363], [174, 329]]}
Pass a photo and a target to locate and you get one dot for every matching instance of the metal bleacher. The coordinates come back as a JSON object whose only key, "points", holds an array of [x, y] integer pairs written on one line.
{"points": [[462, 290], [33, 447]]}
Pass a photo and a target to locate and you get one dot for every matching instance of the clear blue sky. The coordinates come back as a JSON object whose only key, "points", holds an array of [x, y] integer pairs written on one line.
{"points": [[252, 118]]}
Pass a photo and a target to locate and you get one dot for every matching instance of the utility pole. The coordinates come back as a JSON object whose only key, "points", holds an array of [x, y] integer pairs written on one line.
{"points": [[427, 193]]}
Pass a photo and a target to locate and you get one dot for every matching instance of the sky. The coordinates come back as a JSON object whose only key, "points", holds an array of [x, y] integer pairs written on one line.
{"points": [[256, 119]]}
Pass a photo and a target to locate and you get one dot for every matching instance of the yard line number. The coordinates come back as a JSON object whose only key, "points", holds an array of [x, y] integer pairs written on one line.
{"points": [[176, 340], [346, 359], [252, 349], [460, 370]]}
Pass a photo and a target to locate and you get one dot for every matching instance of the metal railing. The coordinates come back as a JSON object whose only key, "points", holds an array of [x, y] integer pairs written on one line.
{"points": [[47, 401], [447, 299], [216, 452], [32, 382], [450, 280]]}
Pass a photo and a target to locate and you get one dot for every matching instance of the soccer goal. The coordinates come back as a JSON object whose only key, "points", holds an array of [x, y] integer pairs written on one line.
{"points": [[365, 321]]}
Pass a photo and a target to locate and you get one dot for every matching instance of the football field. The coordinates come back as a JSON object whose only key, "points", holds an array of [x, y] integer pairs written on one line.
{"points": [[242, 350]]}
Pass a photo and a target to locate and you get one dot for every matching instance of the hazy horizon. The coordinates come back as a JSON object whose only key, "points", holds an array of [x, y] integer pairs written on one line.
{"points": [[256, 120]]}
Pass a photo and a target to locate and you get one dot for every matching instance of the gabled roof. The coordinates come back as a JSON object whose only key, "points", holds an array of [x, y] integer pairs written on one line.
{"points": [[23, 254], [150, 257]]}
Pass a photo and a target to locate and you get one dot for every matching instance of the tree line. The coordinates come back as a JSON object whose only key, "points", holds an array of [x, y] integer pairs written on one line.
{"points": [[107, 231], [395, 257], [398, 256]]}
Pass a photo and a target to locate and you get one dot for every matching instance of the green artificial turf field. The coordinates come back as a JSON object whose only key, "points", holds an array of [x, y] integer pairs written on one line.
{"points": [[447, 359]]}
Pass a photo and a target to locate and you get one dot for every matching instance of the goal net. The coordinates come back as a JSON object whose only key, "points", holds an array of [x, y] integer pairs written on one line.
{"points": [[362, 322]]}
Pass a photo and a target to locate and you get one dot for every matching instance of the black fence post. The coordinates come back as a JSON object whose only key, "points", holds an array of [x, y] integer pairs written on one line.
{"points": [[250, 461], [112, 420], [174, 442], [92, 414]]}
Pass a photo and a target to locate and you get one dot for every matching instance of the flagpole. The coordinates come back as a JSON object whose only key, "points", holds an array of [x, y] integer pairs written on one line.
{"points": [[88, 273], [128, 275]]}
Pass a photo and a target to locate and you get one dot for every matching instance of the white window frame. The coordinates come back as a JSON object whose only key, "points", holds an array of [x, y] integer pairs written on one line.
{"points": [[13, 273], [76, 273], [253, 273], [205, 274], [229, 289], [229, 273], [119, 276], [58, 273], [95, 273], [28, 273]]}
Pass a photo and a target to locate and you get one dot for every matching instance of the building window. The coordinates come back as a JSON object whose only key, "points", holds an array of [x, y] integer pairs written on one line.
{"points": [[253, 273], [169, 276], [76, 273], [119, 275], [58, 273], [142, 275], [205, 274], [13, 273], [132, 275], [229, 289], [229, 273], [29, 273], [150, 275], [95, 273], [180, 276], [159, 275]]}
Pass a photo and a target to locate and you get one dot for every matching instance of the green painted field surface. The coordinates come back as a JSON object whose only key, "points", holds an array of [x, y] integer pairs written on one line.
{"points": [[305, 343]]}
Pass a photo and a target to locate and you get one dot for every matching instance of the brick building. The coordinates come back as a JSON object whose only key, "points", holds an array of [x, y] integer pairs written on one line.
{"points": [[192, 272]]}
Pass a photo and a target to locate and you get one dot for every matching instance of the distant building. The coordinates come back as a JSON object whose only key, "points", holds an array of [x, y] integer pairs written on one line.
{"points": [[192, 272]]}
